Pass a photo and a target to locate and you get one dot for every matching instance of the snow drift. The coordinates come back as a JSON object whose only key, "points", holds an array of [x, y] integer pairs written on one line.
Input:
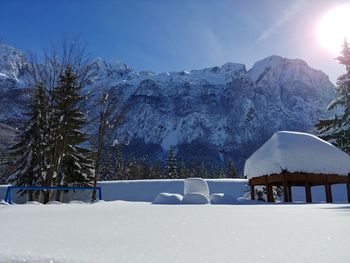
{"points": [[195, 199]]}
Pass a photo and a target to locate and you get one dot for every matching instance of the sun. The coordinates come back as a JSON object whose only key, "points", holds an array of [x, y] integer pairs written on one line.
{"points": [[333, 28]]}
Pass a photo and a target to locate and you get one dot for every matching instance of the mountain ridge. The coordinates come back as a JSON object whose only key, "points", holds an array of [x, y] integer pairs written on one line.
{"points": [[211, 115]]}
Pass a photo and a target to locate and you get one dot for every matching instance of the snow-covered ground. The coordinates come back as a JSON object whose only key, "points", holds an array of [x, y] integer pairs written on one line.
{"points": [[148, 190], [120, 231]]}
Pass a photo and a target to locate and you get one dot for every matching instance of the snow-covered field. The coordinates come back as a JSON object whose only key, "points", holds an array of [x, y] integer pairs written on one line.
{"points": [[147, 190], [126, 227], [120, 231]]}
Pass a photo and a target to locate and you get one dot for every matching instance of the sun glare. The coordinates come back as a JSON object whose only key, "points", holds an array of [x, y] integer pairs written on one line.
{"points": [[333, 28]]}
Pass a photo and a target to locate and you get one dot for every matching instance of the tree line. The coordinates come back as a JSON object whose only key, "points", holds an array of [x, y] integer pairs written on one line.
{"points": [[115, 167]]}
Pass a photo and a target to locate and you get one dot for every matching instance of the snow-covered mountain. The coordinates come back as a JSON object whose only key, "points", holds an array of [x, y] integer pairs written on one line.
{"points": [[210, 115]]}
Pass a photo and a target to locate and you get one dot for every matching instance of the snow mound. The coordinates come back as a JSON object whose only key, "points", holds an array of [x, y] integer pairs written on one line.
{"points": [[54, 203], [297, 152], [78, 202], [33, 203], [168, 199], [222, 199], [196, 185], [195, 199]]}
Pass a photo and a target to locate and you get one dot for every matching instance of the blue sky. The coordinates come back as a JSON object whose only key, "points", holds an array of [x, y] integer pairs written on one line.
{"points": [[166, 35]]}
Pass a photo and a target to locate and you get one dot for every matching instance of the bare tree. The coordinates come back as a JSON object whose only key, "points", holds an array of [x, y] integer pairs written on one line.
{"points": [[111, 114]]}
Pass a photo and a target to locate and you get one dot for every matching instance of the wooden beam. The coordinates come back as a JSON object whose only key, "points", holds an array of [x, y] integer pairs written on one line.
{"points": [[252, 192]]}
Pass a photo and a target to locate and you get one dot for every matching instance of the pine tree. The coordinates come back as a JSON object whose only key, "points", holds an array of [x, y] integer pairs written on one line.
{"points": [[119, 171], [106, 170], [132, 169], [29, 151], [184, 172], [202, 170], [218, 172], [337, 130], [171, 166], [156, 171], [73, 165], [231, 170]]}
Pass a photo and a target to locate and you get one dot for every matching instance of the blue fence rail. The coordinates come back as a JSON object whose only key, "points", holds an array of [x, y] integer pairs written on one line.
{"points": [[8, 196]]}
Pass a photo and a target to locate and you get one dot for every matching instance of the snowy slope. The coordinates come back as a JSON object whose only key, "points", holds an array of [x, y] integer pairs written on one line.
{"points": [[140, 232], [210, 115], [297, 152]]}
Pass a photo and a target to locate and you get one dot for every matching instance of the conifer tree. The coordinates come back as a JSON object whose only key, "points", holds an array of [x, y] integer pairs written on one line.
{"points": [[72, 160], [156, 171], [184, 172], [145, 168], [231, 170], [29, 151], [119, 172], [132, 169], [106, 170], [202, 170], [171, 165], [218, 172], [337, 130]]}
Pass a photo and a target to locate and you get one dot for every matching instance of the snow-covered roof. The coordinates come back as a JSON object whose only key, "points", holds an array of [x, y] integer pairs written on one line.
{"points": [[297, 152]]}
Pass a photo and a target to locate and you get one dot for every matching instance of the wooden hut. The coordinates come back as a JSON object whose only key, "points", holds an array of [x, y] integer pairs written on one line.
{"points": [[297, 159]]}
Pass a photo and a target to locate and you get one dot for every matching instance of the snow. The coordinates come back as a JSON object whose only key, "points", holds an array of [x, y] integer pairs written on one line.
{"points": [[148, 190], [140, 232], [195, 199], [297, 152], [168, 199], [223, 199]]}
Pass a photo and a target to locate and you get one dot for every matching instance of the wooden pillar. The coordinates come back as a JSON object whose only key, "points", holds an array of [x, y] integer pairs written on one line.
{"points": [[285, 192], [269, 188], [252, 192], [328, 189], [348, 188], [308, 192], [290, 197]]}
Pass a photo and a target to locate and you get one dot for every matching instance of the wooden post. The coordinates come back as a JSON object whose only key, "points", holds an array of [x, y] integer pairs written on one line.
{"points": [[269, 189], [290, 197], [252, 192], [328, 189], [308, 196], [308, 192], [348, 188], [285, 192]]}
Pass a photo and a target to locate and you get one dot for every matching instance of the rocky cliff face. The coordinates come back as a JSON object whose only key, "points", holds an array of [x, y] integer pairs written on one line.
{"points": [[209, 115]]}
